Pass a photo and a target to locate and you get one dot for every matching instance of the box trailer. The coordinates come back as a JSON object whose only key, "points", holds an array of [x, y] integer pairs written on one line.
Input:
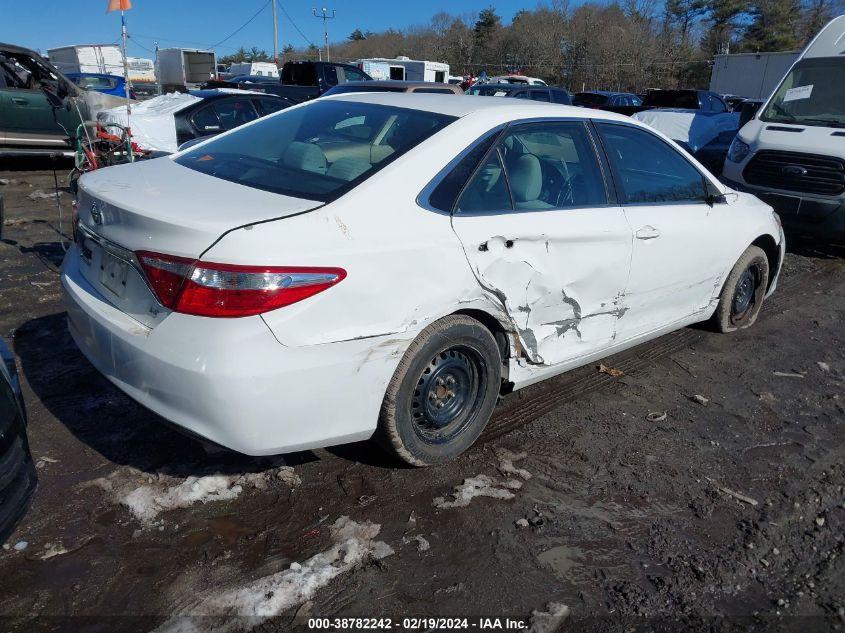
{"points": [[141, 70], [183, 69], [405, 69], [104, 59], [750, 75]]}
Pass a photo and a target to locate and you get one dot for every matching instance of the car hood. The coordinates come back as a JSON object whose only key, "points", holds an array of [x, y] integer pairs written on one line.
{"points": [[159, 205]]}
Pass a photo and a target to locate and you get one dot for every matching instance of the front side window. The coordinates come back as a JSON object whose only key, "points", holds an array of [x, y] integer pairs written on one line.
{"points": [[269, 106], [650, 170], [330, 75], [318, 151], [813, 93], [206, 120]]}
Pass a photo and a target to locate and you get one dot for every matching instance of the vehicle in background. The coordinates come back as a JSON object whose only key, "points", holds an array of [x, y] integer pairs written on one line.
{"points": [[698, 120], [29, 122], [521, 91], [424, 87], [246, 82], [258, 69], [791, 154], [305, 80], [141, 70], [18, 478], [223, 72], [406, 69], [107, 84], [103, 59], [416, 255], [517, 79], [734, 102], [605, 100], [455, 80], [183, 69], [376, 70], [164, 123], [750, 75]]}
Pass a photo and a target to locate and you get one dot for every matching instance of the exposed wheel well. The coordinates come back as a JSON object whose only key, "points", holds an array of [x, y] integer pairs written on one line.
{"points": [[770, 248], [492, 324]]}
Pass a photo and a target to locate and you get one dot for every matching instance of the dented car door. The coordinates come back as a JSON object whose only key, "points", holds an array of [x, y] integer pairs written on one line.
{"points": [[544, 238], [665, 201]]}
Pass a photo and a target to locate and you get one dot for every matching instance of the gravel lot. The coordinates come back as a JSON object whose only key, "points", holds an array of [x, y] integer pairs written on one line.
{"points": [[705, 487]]}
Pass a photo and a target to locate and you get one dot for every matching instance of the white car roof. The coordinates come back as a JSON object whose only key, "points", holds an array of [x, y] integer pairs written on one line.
{"points": [[464, 105]]}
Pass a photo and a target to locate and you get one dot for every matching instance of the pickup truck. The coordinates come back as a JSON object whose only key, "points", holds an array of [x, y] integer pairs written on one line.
{"points": [[302, 81]]}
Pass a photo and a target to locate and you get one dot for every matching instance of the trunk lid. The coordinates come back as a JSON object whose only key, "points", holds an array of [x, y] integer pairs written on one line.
{"points": [[159, 206]]}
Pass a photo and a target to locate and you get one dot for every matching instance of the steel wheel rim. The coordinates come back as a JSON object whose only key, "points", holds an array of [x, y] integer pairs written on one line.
{"points": [[447, 394], [745, 293]]}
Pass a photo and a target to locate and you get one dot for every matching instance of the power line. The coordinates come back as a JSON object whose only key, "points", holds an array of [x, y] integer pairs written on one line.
{"points": [[298, 30], [243, 26]]}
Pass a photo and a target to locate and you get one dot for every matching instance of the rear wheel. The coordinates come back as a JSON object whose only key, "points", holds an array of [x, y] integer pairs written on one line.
{"points": [[742, 294], [442, 393]]}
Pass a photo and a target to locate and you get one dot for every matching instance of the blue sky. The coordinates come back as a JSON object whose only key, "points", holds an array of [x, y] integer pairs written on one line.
{"points": [[195, 23]]}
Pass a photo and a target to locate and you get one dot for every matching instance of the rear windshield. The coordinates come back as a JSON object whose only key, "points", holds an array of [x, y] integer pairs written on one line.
{"points": [[589, 98], [685, 99], [491, 91], [355, 88], [318, 151]]}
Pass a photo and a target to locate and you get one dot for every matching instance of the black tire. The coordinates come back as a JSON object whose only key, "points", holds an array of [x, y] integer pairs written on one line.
{"points": [[742, 294], [442, 393]]}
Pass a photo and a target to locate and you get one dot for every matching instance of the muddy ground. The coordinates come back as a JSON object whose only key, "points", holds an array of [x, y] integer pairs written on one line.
{"points": [[645, 505]]}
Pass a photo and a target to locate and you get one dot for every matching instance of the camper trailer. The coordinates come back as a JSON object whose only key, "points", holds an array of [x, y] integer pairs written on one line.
{"points": [[102, 59], [405, 69]]}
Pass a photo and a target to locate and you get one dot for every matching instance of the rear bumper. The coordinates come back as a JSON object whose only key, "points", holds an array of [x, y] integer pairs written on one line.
{"points": [[230, 380], [802, 213]]}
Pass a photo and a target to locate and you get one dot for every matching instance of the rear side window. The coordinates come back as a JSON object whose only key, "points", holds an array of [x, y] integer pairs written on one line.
{"points": [[488, 189], [354, 75], [330, 75], [650, 170], [318, 151], [269, 106], [540, 95], [206, 120], [444, 195], [235, 112]]}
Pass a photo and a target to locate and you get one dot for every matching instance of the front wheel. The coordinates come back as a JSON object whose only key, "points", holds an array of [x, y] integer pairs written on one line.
{"points": [[742, 294], [442, 393]]}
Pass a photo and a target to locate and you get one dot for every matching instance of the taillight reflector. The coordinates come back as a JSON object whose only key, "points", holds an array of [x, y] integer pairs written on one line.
{"points": [[229, 290]]}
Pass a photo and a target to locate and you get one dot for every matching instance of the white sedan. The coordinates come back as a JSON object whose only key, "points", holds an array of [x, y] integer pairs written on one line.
{"points": [[385, 265]]}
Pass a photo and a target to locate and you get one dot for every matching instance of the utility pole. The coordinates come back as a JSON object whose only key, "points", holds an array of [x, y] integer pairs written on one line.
{"points": [[325, 17], [275, 36]]}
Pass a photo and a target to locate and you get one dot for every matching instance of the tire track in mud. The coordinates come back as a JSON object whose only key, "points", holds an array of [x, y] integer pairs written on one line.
{"points": [[540, 399]]}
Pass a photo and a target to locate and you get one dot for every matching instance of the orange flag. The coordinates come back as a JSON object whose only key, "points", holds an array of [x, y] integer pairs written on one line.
{"points": [[119, 5]]}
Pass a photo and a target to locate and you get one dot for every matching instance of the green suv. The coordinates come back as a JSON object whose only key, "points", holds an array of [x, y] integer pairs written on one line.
{"points": [[29, 122]]}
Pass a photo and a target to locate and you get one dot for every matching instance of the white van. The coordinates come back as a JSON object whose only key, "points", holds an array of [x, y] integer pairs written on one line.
{"points": [[792, 153], [258, 69]]}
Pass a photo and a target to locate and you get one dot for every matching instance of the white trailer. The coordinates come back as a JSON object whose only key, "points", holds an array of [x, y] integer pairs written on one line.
{"points": [[750, 75], [260, 69], [405, 69], [141, 71], [104, 59], [183, 69]]}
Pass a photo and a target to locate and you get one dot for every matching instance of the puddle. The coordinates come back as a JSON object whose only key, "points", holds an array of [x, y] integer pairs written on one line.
{"points": [[562, 560], [578, 564]]}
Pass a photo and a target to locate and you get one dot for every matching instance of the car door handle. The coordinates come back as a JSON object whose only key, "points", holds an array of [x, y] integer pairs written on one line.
{"points": [[20, 101], [647, 233]]}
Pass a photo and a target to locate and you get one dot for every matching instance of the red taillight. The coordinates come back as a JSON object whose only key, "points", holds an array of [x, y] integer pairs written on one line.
{"points": [[229, 290]]}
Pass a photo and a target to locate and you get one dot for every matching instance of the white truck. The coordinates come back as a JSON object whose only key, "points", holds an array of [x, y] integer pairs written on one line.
{"points": [[792, 153], [750, 75], [181, 69], [406, 69], [104, 59], [259, 69]]}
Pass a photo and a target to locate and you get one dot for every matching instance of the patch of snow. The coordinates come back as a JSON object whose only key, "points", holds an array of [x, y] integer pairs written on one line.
{"points": [[479, 486], [38, 194], [547, 621], [422, 543], [21, 546], [51, 550], [506, 460], [249, 605], [146, 502]]}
